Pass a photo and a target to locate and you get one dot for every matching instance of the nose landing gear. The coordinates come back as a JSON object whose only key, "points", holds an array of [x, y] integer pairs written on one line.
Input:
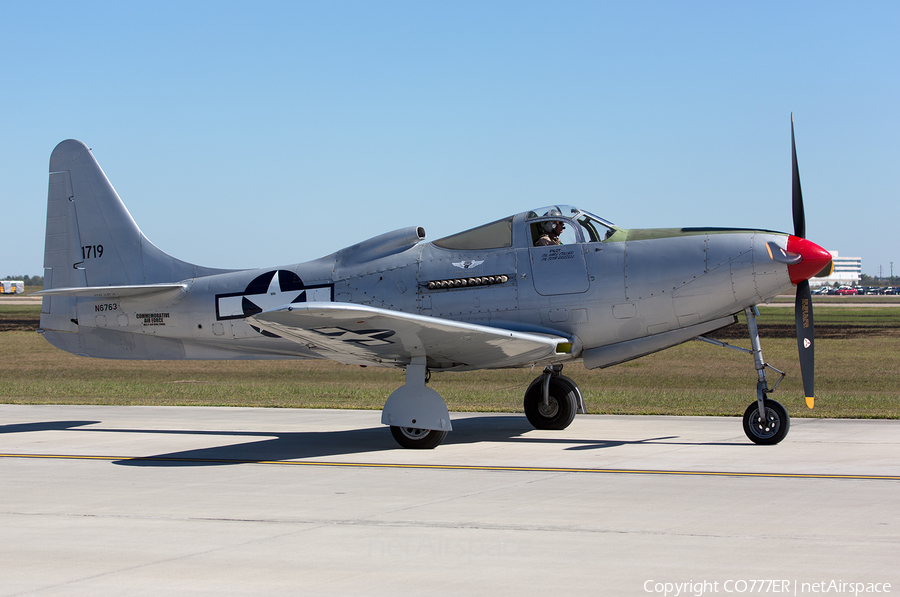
{"points": [[771, 427]]}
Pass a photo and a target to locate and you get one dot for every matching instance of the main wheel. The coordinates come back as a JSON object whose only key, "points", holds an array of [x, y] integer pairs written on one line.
{"points": [[767, 430], [573, 387], [417, 439], [558, 413]]}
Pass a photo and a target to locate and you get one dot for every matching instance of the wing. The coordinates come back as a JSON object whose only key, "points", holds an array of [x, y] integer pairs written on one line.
{"points": [[364, 335]]}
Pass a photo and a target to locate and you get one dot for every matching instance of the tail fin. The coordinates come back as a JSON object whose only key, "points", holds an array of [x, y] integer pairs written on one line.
{"points": [[92, 240]]}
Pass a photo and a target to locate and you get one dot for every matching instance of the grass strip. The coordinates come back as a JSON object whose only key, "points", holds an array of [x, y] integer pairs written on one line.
{"points": [[856, 378]]}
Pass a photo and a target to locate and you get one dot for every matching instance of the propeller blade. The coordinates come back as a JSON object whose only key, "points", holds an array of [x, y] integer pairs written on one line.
{"points": [[803, 314], [803, 311], [797, 194]]}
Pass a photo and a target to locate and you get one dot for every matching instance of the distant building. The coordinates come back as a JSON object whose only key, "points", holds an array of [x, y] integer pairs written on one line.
{"points": [[847, 270]]}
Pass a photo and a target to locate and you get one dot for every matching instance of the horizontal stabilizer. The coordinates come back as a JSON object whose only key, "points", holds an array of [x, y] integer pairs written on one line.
{"points": [[364, 335], [130, 291]]}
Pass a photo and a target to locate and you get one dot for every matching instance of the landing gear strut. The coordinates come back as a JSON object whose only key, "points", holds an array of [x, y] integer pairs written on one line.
{"points": [[771, 427], [417, 414], [552, 400]]}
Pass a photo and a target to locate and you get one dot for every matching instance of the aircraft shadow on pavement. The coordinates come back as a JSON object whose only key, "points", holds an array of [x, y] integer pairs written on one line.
{"points": [[44, 426], [316, 444], [279, 446]]}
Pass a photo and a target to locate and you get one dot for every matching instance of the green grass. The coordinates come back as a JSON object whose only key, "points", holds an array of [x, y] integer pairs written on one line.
{"points": [[834, 316], [21, 311], [856, 378]]}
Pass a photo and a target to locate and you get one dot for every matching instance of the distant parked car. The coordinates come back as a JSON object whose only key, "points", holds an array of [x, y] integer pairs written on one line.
{"points": [[846, 291]]}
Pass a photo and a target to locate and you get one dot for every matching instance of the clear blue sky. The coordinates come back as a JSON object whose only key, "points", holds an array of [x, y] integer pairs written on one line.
{"points": [[256, 134]]}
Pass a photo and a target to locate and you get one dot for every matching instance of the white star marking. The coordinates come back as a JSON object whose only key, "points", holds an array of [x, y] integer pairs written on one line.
{"points": [[273, 297], [232, 306]]}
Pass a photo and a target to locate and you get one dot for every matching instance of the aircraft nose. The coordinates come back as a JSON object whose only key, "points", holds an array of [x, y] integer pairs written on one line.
{"points": [[815, 259]]}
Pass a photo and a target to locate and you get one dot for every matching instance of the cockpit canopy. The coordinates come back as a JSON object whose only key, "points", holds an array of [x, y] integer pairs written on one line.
{"points": [[578, 226]]}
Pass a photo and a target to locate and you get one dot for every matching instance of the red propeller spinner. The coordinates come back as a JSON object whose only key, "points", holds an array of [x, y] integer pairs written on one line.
{"points": [[816, 260]]}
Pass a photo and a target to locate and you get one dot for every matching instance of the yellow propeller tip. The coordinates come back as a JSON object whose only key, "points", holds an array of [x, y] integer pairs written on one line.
{"points": [[810, 401]]}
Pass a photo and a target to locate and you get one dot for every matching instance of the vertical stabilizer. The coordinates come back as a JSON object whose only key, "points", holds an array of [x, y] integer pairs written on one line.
{"points": [[92, 240]]}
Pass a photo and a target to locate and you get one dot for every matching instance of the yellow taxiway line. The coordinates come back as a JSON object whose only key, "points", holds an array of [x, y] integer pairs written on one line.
{"points": [[456, 467]]}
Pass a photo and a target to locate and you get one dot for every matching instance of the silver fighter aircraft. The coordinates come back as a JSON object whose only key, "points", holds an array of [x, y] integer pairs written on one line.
{"points": [[544, 287]]}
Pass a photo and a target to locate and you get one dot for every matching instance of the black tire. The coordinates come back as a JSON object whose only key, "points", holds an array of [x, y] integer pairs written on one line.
{"points": [[573, 387], [561, 409], [417, 439], [768, 431]]}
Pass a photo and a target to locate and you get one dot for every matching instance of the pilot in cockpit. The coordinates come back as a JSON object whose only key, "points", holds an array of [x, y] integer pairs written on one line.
{"points": [[552, 230]]}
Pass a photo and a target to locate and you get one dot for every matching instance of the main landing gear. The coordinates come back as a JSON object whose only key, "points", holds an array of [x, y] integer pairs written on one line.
{"points": [[419, 419], [417, 414], [766, 421], [552, 400]]}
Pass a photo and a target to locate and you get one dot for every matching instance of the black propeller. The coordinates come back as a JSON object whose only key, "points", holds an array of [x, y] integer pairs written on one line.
{"points": [[797, 195], [803, 311]]}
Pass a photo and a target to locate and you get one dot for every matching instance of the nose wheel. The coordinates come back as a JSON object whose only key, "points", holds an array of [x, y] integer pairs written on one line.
{"points": [[766, 429]]}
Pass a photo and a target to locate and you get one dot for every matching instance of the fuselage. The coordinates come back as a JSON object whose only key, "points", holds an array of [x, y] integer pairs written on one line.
{"points": [[602, 287]]}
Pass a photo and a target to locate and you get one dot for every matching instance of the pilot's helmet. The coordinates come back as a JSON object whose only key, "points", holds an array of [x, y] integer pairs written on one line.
{"points": [[551, 225]]}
